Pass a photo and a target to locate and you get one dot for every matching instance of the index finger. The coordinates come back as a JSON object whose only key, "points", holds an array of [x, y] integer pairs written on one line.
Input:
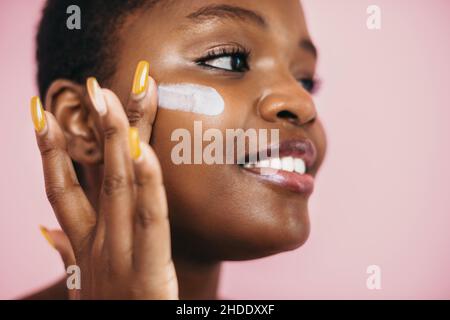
{"points": [[142, 102], [67, 198]]}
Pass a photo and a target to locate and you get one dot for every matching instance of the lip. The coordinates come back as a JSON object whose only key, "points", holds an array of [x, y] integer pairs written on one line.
{"points": [[298, 183]]}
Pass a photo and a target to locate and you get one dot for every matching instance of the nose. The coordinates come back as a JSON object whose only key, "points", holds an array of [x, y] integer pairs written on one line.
{"points": [[287, 103]]}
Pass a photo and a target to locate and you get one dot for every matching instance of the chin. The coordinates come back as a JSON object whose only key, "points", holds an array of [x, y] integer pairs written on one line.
{"points": [[278, 224], [278, 237], [260, 237]]}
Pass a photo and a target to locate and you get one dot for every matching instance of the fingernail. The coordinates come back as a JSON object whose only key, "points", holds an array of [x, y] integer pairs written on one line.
{"points": [[46, 235], [133, 138], [96, 95], [37, 114], [140, 81]]}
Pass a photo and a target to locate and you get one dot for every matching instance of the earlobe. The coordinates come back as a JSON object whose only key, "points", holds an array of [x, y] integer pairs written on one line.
{"points": [[67, 100]]}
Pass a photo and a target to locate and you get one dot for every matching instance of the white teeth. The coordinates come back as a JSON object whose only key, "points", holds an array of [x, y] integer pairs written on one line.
{"points": [[275, 163], [299, 166], [289, 164], [263, 164]]}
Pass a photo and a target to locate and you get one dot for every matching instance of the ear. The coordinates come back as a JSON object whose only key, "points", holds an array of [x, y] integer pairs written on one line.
{"points": [[71, 106]]}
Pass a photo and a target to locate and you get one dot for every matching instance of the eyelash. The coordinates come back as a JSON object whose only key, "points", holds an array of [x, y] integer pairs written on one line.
{"points": [[311, 84], [232, 52]]}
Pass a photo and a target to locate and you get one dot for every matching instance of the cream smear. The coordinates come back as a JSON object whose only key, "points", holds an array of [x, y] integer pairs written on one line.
{"points": [[190, 98]]}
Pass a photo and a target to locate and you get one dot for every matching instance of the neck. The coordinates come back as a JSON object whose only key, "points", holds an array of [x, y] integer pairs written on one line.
{"points": [[197, 280]]}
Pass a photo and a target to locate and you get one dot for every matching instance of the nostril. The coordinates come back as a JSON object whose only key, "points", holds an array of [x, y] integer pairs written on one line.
{"points": [[285, 114]]}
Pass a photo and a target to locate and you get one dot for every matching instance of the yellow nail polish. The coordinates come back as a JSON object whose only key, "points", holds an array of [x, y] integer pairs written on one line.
{"points": [[140, 81], [47, 237], [135, 148], [37, 114]]}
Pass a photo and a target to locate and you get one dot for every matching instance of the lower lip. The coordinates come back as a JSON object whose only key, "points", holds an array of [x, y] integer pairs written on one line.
{"points": [[299, 183]]}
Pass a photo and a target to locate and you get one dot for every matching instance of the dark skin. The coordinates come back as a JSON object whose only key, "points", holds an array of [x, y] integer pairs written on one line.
{"points": [[216, 212]]}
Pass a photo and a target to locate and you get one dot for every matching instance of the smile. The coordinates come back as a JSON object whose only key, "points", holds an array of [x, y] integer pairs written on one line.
{"points": [[289, 164], [290, 170]]}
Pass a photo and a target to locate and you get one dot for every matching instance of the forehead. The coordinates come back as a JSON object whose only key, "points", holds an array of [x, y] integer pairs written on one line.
{"points": [[280, 16]]}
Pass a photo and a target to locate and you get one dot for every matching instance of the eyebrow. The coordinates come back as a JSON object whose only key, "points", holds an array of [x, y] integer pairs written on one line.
{"points": [[227, 11], [239, 13]]}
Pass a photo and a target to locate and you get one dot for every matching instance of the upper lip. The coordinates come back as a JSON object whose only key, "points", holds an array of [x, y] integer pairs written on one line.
{"points": [[296, 148]]}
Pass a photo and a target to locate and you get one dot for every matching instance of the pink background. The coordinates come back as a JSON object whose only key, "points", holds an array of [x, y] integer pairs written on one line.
{"points": [[382, 197]]}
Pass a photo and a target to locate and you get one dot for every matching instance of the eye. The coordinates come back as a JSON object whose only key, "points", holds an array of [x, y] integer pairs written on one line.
{"points": [[230, 63], [233, 60], [309, 84]]}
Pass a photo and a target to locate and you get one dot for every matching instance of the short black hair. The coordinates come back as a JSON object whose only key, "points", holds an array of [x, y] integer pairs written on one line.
{"points": [[76, 54], [79, 53]]}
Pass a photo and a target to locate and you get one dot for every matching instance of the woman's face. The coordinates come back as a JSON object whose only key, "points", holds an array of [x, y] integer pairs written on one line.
{"points": [[223, 211]]}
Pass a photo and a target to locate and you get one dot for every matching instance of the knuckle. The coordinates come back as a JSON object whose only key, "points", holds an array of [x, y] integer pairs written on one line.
{"points": [[144, 180], [110, 132], [55, 194], [47, 149], [134, 115], [113, 183], [146, 217], [115, 125]]}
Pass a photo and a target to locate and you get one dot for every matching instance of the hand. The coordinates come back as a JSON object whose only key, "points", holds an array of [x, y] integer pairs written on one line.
{"points": [[123, 248]]}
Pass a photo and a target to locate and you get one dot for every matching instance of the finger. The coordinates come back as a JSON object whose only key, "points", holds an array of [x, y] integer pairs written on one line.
{"points": [[62, 245], [59, 240], [70, 204], [142, 103], [117, 194], [152, 249]]}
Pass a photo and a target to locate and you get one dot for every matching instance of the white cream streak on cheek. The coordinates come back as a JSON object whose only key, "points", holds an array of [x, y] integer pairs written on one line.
{"points": [[190, 98]]}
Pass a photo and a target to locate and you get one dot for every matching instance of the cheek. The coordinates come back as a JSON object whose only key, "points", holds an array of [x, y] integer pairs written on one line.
{"points": [[217, 209], [189, 97]]}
